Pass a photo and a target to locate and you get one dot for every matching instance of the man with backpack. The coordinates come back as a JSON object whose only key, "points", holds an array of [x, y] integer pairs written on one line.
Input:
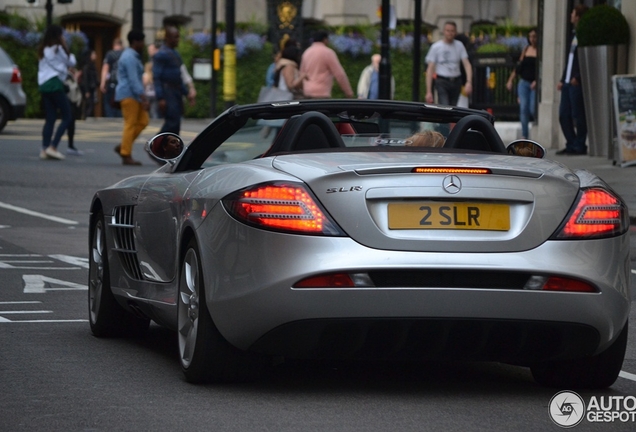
{"points": [[170, 87], [108, 81]]}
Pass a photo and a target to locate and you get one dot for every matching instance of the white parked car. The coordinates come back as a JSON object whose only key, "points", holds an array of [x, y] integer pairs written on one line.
{"points": [[12, 97]]}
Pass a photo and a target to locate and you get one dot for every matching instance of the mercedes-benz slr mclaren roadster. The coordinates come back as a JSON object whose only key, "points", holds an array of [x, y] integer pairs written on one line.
{"points": [[357, 230]]}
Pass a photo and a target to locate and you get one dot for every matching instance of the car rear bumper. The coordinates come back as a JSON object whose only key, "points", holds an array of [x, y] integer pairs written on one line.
{"points": [[250, 296], [412, 339]]}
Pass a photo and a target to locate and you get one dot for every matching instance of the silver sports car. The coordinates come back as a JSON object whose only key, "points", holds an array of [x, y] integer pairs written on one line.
{"points": [[355, 229]]}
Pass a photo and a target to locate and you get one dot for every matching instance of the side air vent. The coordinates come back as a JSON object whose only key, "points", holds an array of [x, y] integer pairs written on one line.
{"points": [[124, 236]]}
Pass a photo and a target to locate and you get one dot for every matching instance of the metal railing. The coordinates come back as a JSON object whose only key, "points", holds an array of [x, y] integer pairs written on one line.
{"points": [[490, 74]]}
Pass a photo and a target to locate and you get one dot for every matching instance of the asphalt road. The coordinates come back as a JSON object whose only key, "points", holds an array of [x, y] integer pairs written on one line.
{"points": [[55, 376]]}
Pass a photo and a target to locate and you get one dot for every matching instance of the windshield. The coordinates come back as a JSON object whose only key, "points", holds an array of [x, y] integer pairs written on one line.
{"points": [[257, 136]]}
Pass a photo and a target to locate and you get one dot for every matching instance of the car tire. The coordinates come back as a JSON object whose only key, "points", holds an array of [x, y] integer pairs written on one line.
{"points": [[4, 113], [594, 372], [106, 317], [204, 354]]}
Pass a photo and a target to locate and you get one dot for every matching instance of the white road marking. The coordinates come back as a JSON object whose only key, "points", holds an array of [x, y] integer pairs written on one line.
{"points": [[11, 267], [38, 214], [82, 262], [633, 271], [23, 312], [3, 320], [19, 302], [627, 375], [35, 284], [25, 261], [10, 263]]}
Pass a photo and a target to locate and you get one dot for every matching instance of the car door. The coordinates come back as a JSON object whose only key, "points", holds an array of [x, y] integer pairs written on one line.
{"points": [[158, 219]]}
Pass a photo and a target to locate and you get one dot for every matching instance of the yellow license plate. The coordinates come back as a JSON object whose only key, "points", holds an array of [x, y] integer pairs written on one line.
{"points": [[449, 215]]}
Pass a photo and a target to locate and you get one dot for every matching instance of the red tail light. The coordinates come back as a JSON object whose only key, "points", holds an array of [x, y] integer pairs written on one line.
{"points": [[281, 207], [337, 280], [564, 284], [597, 214], [16, 77]]}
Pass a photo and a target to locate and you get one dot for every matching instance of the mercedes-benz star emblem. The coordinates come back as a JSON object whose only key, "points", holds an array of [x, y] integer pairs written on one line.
{"points": [[452, 184]]}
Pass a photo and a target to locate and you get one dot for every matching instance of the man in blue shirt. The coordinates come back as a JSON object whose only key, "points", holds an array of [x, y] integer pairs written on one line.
{"points": [[169, 85], [130, 93]]}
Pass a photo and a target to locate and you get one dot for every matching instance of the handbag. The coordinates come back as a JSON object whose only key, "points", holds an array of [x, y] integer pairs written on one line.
{"points": [[274, 94], [73, 92]]}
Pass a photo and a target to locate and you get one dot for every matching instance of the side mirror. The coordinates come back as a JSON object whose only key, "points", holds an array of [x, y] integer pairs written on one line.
{"points": [[166, 147], [527, 148]]}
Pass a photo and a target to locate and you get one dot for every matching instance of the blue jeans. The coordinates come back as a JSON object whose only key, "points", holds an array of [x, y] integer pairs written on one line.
{"points": [[572, 118], [53, 102], [527, 104], [174, 109]]}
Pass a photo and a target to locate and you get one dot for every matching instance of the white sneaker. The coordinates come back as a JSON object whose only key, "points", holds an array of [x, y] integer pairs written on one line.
{"points": [[54, 154], [43, 155]]}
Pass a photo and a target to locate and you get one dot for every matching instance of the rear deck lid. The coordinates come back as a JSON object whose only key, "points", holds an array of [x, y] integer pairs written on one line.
{"points": [[439, 202]]}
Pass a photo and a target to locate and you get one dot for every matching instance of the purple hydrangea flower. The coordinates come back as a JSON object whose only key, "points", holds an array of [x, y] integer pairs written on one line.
{"points": [[245, 43]]}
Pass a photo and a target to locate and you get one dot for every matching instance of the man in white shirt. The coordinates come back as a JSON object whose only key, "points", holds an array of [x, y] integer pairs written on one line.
{"points": [[444, 59]]}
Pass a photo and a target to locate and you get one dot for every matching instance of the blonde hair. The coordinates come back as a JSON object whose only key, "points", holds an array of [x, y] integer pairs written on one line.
{"points": [[427, 138]]}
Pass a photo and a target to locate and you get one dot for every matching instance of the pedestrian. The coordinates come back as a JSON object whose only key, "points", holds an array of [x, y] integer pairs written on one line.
{"points": [[287, 75], [572, 108], [369, 82], [149, 85], [285, 41], [321, 66], [89, 83], [443, 65], [464, 100], [74, 95], [271, 70], [170, 87], [526, 70], [189, 82], [108, 80], [54, 61], [131, 95]]}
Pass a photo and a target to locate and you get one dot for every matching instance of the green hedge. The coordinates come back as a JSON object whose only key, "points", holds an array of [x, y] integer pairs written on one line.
{"points": [[27, 61]]}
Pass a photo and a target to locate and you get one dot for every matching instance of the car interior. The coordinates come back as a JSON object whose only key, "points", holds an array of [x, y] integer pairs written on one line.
{"points": [[319, 126], [309, 131]]}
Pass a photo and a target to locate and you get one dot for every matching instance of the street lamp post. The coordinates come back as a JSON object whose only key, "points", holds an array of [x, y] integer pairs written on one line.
{"points": [[49, 12], [213, 77], [385, 64], [229, 56], [138, 14], [417, 50]]}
